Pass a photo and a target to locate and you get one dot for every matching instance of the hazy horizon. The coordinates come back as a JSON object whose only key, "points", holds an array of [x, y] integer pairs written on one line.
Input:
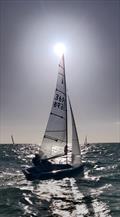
{"points": [[28, 67]]}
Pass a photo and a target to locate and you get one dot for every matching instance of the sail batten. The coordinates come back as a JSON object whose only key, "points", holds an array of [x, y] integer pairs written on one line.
{"points": [[49, 131], [52, 138], [56, 115], [60, 91], [60, 73]]}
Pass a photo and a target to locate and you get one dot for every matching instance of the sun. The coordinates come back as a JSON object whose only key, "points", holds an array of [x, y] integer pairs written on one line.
{"points": [[59, 49]]}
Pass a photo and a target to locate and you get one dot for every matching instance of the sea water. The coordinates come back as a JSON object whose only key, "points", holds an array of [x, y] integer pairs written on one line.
{"points": [[97, 194]]}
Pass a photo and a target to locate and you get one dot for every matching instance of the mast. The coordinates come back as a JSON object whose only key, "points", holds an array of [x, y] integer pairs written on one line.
{"points": [[66, 146]]}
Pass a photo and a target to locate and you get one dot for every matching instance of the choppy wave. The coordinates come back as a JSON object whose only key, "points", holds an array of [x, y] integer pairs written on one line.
{"points": [[97, 194]]}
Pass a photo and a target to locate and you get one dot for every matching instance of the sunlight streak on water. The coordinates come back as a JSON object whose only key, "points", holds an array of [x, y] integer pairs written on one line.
{"points": [[87, 204], [81, 209]]}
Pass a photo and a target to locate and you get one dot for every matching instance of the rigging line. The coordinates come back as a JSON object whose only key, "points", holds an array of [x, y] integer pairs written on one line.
{"points": [[52, 138], [57, 115], [60, 91]]}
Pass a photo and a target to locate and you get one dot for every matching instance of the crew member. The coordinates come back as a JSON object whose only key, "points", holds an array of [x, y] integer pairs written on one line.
{"points": [[43, 164], [65, 150], [36, 160]]}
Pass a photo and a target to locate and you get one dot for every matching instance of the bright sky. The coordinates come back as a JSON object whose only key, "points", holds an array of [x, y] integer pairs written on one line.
{"points": [[29, 31]]}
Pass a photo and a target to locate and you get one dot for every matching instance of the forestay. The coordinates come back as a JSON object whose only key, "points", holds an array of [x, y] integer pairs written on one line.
{"points": [[55, 137]]}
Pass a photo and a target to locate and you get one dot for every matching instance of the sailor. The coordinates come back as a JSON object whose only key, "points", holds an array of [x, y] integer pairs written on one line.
{"points": [[36, 160], [65, 150], [42, 163]]}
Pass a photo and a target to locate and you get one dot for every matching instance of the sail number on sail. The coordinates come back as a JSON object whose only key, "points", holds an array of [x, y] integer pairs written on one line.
{"points": [[59, 101]]}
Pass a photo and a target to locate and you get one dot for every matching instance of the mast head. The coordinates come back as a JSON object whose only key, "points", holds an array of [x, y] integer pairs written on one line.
{"points": [[62, 63], [59, 49]]}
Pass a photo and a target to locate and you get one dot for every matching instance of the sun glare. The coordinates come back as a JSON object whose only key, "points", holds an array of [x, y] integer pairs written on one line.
{"points": [[59, 49]]}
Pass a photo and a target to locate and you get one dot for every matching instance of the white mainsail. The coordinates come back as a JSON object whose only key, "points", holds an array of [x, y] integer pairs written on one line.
{"points": [[55, 137], [76, 152]]}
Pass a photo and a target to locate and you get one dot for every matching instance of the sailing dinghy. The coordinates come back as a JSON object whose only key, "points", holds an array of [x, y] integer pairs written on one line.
{"points": [[55, 140], [86, 142]]}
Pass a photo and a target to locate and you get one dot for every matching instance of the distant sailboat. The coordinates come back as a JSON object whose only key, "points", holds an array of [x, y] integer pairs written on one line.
{"points": [[55, 140], [86, 142], [12, 139]]}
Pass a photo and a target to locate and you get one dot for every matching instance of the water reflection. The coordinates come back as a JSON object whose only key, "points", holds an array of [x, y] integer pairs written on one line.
{"points": [[80, 197], [87, 202]]}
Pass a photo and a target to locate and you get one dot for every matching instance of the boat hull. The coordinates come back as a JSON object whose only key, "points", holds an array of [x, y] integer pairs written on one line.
{"points": [[71, 171]]}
